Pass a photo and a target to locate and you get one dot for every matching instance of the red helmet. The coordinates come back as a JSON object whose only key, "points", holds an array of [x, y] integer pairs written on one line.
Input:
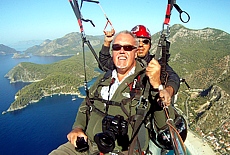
{"points": [[141, 31]]}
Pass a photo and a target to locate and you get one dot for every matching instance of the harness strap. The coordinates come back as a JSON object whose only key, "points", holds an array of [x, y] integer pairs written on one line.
{"points": [[162, 46], [138, 120], [158, 51], [168, 12], [91, 107], [136, 91], [123, 102], [163, 66], [114, 103], [88, 103]]}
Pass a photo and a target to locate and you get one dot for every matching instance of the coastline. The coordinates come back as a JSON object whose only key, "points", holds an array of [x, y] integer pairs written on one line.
{"points": [[196, 146], [35, 101]]}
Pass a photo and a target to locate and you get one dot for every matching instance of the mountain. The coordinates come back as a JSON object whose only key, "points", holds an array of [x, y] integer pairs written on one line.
{"points": [[202, 57], [70, 44], [6, 50], [23, 45]]}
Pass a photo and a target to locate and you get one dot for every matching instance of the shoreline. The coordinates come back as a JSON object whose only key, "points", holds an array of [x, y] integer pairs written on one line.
{"points": [[196, 146], [78, 94]]}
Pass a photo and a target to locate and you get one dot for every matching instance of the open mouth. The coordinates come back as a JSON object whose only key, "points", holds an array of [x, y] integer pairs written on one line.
{"points": [[122, 57]]}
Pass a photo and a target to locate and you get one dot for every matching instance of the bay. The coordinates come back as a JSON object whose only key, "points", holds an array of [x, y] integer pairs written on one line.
{"points": [[40, 127]]}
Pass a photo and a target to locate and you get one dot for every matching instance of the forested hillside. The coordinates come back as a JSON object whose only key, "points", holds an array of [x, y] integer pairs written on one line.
{"points": [[70, 44], [202, 57], [64, 77]]}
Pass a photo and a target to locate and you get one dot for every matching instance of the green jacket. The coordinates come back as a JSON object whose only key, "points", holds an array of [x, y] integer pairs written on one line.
{"points": [[95, 122]]}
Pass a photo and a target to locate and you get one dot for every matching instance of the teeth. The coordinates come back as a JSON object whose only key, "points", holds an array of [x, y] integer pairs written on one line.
{"points": [[122, 58]]}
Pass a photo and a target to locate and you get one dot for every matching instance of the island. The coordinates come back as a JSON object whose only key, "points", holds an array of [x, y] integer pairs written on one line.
{"points": [[20, 55], [63, 77]]}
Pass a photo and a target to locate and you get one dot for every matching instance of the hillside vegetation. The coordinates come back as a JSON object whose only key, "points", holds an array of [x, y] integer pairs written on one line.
{"points": [[70, 44], [63, 77], [202, 57]]}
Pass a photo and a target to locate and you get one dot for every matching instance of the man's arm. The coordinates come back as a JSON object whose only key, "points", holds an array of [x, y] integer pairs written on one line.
{"points": [[105, 59], [104, 55], [78, 126], [153, 71], [173, 80], [80, 122]]}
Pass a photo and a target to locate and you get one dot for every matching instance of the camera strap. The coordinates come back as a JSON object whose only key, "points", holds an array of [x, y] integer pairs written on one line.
{"points": [[89, 101]]}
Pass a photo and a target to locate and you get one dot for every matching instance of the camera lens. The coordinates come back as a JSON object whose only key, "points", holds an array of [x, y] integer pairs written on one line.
{"points": [[105, 141], [114, 128]]}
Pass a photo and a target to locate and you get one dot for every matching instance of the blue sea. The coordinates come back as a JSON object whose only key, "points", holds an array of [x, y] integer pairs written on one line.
{"points": [[40, 127]]}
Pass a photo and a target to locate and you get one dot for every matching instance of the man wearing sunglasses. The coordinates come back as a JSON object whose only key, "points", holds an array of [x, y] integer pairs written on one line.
{"points": [[116, 94], [144, 44]]}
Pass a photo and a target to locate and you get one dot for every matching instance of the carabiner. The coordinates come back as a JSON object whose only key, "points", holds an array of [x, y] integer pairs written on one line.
{"points": [[167, 30], [142, 99]]}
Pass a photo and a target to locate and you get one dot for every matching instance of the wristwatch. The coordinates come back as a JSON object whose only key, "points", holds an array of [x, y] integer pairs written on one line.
{"points": [[160, 87]]}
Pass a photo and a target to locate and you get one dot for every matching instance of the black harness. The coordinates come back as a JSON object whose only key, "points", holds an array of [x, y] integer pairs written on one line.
{"points": [[137, 93]]}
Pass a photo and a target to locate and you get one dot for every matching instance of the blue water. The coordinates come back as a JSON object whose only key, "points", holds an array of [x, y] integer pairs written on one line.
{"points": [[40, 127]]}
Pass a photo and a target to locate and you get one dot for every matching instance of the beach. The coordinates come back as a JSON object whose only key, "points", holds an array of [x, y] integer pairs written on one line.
{"points": [[196, 146]]}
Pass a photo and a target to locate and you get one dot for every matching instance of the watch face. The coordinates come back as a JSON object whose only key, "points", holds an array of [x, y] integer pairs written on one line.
{"points": [[160, 87]]}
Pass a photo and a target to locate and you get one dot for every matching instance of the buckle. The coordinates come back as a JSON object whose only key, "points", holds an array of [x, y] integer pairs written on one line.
{"points": [[114, 152]]}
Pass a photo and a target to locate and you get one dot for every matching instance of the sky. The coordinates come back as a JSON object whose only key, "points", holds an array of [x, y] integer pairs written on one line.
{"points": [[25, 20]]}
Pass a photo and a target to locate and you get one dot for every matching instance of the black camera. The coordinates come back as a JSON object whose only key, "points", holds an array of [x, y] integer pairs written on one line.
{"points": [[114, 128], [82, 145]]}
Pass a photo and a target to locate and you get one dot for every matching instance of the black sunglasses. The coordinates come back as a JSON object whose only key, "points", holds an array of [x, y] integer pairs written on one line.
{"points": [[145, 41], [117, 47]]}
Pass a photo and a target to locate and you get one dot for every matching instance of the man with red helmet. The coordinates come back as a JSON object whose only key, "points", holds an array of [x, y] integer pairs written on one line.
{"points": [[144, 38]]}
